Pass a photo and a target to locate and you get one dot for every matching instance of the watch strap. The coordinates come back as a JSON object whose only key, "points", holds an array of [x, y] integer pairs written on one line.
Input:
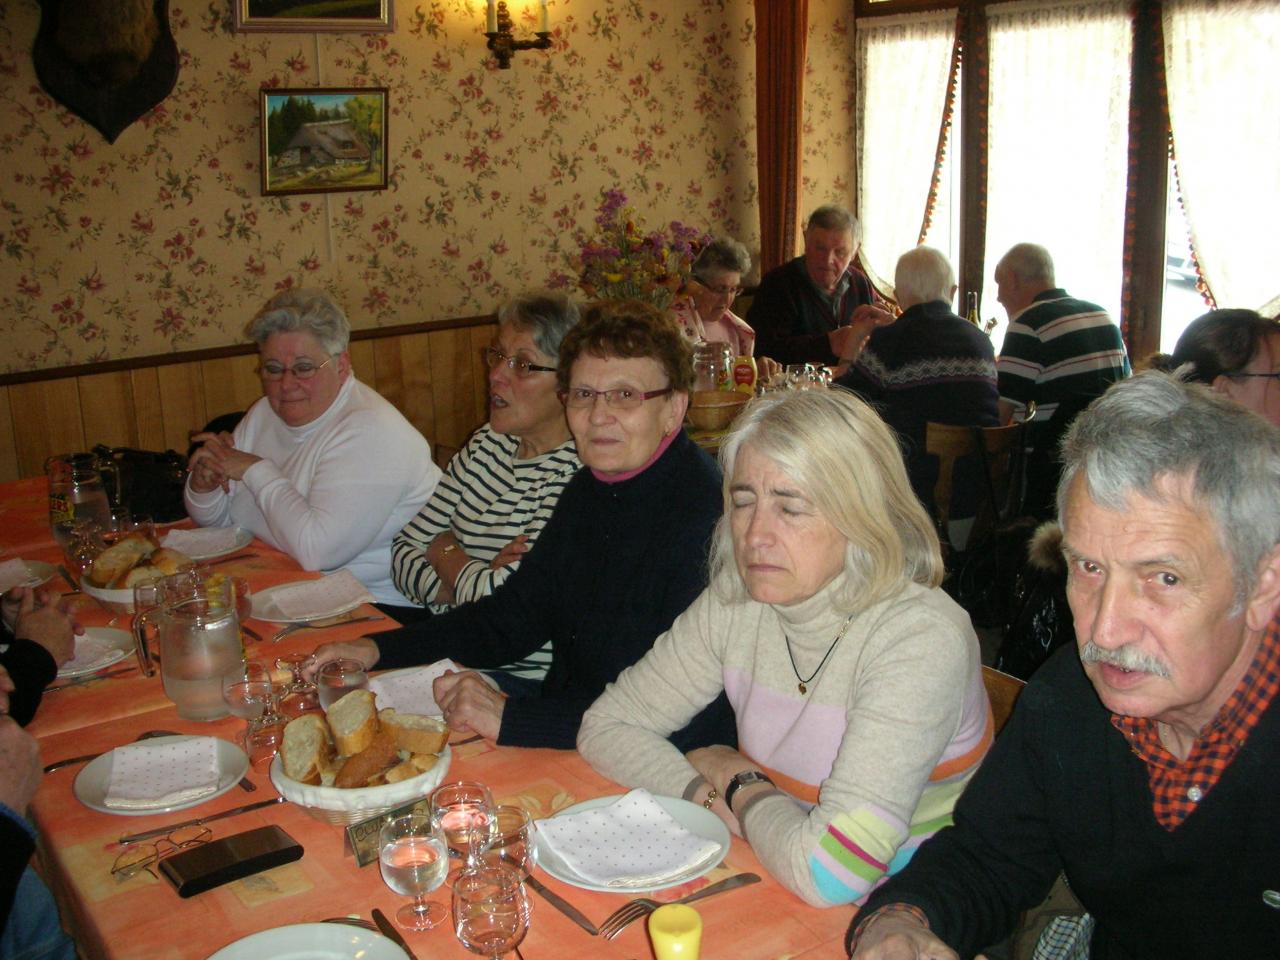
{"points": [[743, 779]]}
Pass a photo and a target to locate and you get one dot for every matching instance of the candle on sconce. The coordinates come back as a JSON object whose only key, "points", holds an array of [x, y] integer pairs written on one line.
{"points": [[545, 26], [492, 16]]}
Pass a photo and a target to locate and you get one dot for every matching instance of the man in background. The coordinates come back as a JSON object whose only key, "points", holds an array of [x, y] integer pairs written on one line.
{"points": [[802, 309]]}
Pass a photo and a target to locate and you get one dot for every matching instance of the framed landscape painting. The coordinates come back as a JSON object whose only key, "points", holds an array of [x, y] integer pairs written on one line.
{"points": [[324, 139], [314, 16]]}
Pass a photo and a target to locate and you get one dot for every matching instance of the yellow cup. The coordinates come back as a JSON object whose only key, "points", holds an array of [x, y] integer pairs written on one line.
{"points": [[676, 932]]}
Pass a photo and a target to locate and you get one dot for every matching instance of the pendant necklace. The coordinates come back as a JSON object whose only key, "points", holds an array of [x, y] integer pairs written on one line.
{"points": [[803, 683]]}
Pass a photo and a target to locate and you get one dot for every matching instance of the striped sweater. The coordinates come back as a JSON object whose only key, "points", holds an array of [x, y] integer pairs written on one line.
{"points": [[871, 760], [487, 498]]}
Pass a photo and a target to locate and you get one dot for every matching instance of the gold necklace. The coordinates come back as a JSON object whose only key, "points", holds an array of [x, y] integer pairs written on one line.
{"points": [[802, 686]]}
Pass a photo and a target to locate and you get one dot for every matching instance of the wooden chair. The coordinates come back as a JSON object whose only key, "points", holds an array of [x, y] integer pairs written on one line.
{"points": [[1002, 691], [1003, 447]]}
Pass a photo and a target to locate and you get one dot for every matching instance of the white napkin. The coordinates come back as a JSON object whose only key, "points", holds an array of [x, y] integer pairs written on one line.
{"points": [[14, 573], [91, 653], [203, 541], [632, 842], [153, 774], [325, 597], [409, 691]]}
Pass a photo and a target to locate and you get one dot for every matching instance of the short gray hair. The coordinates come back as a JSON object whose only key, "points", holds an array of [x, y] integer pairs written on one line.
{"points": [[546, 314], [831, 216], [304, 311], [1029, 262], [722, 255], [1154, 426], [923, 275], [847, 462]]}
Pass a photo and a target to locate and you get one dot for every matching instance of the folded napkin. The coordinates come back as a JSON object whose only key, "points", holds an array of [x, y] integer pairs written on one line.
{"points": [[203, 541], [326, 597], [91, 653], [14, 573], [632, 842], [162, 773], [409, 691]]}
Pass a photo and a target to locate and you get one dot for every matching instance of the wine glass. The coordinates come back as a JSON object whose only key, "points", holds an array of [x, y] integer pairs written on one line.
{"points": [[414, 860], [299, 695], [511, 841], [337, 678], [490, 910], [250, 692], [463, 810]]}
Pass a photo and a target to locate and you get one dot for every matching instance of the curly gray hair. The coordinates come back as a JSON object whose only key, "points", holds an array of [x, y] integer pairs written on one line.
{"points": [[305, 311]]}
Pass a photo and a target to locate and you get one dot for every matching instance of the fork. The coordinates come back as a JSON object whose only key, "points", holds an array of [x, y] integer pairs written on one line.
{"points": [[352, 921], [633, 910], [320, 625]]}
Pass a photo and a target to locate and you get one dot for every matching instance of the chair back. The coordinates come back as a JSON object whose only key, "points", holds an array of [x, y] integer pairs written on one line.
{"points": [[1001, 454], [1002, 691]]}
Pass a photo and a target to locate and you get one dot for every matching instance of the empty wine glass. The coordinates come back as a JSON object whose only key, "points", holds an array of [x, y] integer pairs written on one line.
{"points": [[250, 692], [299, 696], [414, 861], [490, 910], [464, 811], [511, 842], [337, 678]]}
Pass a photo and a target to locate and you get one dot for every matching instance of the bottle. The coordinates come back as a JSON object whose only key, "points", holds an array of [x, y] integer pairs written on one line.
{"points": [[971, 312]]}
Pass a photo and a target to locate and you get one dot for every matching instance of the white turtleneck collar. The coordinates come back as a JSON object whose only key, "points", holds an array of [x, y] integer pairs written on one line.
{"points": [[299, 434]]}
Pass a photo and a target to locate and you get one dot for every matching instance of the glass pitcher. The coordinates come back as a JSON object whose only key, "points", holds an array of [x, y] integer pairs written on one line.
{"points": [[199, 642], [712, 365], [77, 492]]}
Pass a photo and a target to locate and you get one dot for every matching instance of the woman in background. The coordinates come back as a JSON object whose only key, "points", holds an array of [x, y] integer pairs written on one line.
{"points": [[705, 312]]}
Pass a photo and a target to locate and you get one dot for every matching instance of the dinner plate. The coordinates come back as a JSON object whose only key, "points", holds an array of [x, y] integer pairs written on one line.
{"points": [[91, 783], [122, 640], [40, 573], [312, 941], [243, 539], [264, 606], [692, 816]]}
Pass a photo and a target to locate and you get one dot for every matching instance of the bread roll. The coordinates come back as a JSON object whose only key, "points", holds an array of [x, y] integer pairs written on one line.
{"points": [[306, 748], [169, 562], [117, 560], [370, 763], [354, 722], [415, 732]]}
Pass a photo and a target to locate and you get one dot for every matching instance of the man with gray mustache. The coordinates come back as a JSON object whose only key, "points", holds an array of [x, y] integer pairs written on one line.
{"points": [[1145, 765]]}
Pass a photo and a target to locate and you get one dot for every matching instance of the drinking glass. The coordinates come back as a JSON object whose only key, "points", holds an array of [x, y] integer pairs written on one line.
{"points": [[337, 678], [250, 692], [244, 602], [299, 695], [463, 810], [490, 910], [414, 860], [511, 841]]}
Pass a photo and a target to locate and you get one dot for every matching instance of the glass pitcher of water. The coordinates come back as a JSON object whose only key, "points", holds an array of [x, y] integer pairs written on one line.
{"points": [[77, 492], [198, 634]]}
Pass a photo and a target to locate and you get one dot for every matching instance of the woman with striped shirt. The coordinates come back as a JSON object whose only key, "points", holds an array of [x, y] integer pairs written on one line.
{"points": [[498, 492]]}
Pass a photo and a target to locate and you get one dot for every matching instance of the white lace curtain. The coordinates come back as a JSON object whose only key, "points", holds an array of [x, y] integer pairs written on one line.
{"points": [[902, 69], [1224, 110], [1058, 142]]}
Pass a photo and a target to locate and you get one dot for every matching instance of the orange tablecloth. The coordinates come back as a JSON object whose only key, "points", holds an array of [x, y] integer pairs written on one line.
{"points": [[143, 917]]}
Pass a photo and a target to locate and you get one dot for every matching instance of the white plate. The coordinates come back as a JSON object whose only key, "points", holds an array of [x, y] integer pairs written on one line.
{"points": [[312, 941], [122, 640], [243, 539], [39, 572], [91, 783], [692, 816], [264, 606]]}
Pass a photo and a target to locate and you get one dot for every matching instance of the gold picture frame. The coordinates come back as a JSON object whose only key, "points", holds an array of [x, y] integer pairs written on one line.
{"points": [[323, 139], [296, 16]]}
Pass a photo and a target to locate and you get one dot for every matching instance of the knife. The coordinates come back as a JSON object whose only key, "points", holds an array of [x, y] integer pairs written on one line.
{"points": [[195, 822], [563, 905], [390, 932], [79, 681]]}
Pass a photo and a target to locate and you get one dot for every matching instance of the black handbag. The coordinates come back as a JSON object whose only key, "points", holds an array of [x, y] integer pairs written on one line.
{"points": [[151, 483]]}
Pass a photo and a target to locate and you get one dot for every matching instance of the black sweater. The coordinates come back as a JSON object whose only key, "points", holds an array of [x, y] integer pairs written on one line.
{"points": [[32, 669], [790, 318], [1061, 790], [614, 566]]}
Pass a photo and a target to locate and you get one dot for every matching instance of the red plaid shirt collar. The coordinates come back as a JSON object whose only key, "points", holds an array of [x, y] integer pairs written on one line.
{"points": [[1178, 785]]}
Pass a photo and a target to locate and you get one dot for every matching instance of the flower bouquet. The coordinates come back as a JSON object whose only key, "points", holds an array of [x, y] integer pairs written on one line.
{"points": [[621, 261]]}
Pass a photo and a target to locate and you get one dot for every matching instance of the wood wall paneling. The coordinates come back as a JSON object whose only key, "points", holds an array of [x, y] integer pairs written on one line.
{"points": [[182, 403], [230, 384], [363, 363], [148, 413], [453, 385], [46, 420], [8, 446], [481, 337], [107, 409]]}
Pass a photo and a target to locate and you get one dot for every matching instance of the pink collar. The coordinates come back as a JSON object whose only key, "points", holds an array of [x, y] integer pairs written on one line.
{"points": [[619, 477]]}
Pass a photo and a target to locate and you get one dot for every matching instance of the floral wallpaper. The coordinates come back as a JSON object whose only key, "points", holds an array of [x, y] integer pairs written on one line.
{"points": [[162, 242]]}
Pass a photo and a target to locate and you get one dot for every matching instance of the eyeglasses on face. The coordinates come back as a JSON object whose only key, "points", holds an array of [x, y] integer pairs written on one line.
{"points": [[302, 369], [621, 398], [518, 365], [144, 856], [722, 289]]}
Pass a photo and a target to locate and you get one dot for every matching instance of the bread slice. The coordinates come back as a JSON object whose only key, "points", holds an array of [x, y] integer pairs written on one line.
{"points": [[117, 560], [404, 770], [169, 561], [354, 721], [367, 767], [306, 748], [414, 731]]}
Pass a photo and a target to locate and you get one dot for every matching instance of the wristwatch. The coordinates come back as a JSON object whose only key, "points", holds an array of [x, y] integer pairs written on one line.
{"points": [[743, 779]]}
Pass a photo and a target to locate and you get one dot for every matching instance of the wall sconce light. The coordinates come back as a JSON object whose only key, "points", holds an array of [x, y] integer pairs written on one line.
{"points": [[503, 44]]}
